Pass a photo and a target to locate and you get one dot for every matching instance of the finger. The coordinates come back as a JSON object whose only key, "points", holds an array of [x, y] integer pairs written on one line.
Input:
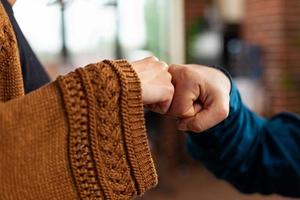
{"points": [[150, 106], [197, 106], [165, 65], [160, 108], [186, 93], [163, 106], [205, 119], [173, 68]]}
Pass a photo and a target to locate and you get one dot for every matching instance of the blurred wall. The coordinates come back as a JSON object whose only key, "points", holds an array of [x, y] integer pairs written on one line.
{"points": [[193, 10], [232, 11], [274, 25]]}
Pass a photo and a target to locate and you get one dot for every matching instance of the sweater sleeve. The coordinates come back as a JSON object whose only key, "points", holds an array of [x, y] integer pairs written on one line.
{"points": [[80, 137], [254, 154]]}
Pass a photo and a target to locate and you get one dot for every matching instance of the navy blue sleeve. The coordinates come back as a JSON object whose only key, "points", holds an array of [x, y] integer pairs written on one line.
{"points": [[254, 154]]}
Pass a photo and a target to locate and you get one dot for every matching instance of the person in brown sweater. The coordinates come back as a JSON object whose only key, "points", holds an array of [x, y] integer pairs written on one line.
{"points": [[81, 136]]}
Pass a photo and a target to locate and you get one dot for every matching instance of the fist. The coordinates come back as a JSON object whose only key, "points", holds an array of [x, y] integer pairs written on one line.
{"points": [[201, 98], [157, 89]]}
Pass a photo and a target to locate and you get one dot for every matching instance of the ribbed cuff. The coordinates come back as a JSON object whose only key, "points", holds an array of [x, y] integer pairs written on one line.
{"points": [[80, 141], [134, 127], [108, 151]]}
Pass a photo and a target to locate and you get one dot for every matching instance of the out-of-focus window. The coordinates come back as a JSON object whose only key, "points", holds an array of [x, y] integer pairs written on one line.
{"points": [[90, 29], [40, 23], [101, 29]]}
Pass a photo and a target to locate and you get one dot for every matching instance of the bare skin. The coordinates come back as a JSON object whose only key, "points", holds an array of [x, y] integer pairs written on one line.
{"points": [[201, 98], [157, 88]]}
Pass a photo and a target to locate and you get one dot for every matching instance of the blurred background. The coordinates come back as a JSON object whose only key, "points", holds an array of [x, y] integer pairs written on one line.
{"points": [[257, 41]]}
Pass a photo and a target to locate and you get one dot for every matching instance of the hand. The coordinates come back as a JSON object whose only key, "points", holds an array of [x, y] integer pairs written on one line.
{"points": [[157, 89], [201, 98]]}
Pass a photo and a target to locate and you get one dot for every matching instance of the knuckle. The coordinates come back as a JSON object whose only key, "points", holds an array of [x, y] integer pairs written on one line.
{"points": [[186, 72], [175, 110], [172, 68], [169, 76], [202, 123], [169, 93], [196, 125], [163, 65], [171, 90]]}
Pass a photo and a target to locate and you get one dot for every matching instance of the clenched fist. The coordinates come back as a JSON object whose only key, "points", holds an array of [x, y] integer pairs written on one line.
{"points": [[201, 98], [157, 89]]}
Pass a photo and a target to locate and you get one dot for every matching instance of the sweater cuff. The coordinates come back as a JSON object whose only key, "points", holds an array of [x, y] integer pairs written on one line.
{"points": [[134, 126], [108, 150]]}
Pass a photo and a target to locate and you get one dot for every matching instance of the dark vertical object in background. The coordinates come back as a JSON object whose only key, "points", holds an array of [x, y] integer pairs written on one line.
{"points": [[118, 50], [231, 31], [119, 53], [64, 50]]}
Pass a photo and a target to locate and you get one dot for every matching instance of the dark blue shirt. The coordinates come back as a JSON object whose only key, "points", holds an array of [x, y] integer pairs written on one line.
{"points": [[254, 154]]}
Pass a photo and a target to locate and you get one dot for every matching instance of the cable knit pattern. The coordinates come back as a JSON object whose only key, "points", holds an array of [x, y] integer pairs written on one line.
{"points": [[79, 146], [108, 153], [134, 126], [82, 136]]}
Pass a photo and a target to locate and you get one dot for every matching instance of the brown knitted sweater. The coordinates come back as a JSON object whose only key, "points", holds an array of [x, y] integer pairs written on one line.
{"points": [[80, 137]]}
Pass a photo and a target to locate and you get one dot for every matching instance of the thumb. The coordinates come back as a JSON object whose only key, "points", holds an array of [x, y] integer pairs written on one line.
{"points": [[204, 119], [183, 105], [196, 123]]}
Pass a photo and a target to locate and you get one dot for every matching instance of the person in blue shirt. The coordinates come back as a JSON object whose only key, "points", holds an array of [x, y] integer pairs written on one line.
{"points": [[254, 154]]}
